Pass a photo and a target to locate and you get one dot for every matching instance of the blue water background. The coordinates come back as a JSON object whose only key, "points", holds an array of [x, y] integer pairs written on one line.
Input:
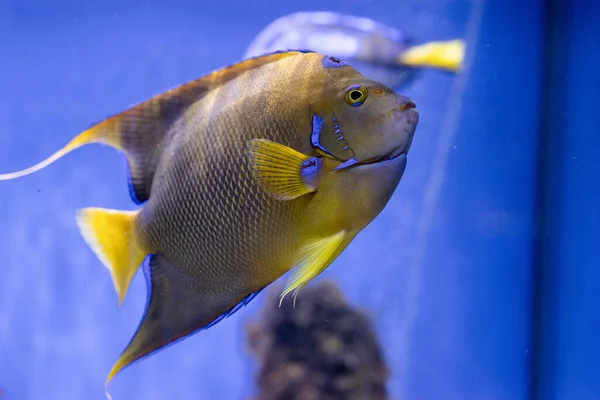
{"points": [[450, 271]]}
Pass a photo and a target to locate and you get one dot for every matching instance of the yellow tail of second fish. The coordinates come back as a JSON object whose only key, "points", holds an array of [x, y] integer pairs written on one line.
{"points": [[445, 55]]}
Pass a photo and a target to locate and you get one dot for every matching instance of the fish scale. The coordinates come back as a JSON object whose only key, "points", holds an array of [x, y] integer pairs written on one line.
{"points": [[225, 231]]}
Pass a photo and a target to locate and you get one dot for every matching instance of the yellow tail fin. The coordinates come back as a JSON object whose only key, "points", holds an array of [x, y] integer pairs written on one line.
{"points": [[112, 236], [445, 55]]}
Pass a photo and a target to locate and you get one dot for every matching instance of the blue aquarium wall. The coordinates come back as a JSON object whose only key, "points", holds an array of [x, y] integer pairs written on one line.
{"points": [[568, 295], [480, 276]]}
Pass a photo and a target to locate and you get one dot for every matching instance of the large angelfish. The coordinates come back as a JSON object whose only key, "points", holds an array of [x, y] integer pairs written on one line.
{"points": [[269, 165]]}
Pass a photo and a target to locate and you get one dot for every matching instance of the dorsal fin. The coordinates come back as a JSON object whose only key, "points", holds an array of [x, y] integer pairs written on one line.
{"points": [[144, 126], [218, 77], [140, 130]]}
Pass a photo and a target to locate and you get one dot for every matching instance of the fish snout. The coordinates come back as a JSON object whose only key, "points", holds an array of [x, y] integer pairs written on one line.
{"points": [[407, 109], [405, 103]]}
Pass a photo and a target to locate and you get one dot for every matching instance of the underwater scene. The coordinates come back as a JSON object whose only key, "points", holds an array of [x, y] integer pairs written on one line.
{"points": [[303, 200]]}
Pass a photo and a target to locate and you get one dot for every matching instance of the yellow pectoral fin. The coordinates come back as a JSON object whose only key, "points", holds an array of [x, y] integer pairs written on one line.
{"points": [[311, 260], [445, 55], [282, 171]]}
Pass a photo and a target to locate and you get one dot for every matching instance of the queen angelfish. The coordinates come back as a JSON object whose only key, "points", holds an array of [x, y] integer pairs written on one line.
{"points": [[271, 165]]}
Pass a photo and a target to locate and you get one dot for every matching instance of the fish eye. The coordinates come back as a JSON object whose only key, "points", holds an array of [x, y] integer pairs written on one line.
{"points": [[356, 95]]}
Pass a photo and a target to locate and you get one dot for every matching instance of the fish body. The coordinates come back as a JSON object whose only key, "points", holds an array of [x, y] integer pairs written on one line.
{"points": [[380, 51], [270, 165]]}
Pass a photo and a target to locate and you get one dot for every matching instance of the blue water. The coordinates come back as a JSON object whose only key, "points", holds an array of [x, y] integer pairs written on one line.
{"points": [[448, 271]]}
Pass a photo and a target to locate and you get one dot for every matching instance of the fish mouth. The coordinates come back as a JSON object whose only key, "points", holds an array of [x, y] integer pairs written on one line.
{"points": [[352, 162], [397, 152], [393, 155], [410, 112], [408, 105]]}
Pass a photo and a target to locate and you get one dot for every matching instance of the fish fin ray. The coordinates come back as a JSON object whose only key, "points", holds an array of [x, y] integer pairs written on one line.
{"points": [[86, 137], [445, 55], [137, 132], [111, 235], [284, 172], [312, 259], [177, 307]]}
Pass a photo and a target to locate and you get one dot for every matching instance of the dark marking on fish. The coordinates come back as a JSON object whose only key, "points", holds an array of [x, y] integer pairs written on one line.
{"points": [[311, 166], [333, 62], [338, 131], [317, 132], [309, 170], [317, 129], [346, 164]]}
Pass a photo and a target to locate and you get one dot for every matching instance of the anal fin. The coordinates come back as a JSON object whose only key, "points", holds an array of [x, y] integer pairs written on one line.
{"points": [[312, 259], [177, 307]]}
